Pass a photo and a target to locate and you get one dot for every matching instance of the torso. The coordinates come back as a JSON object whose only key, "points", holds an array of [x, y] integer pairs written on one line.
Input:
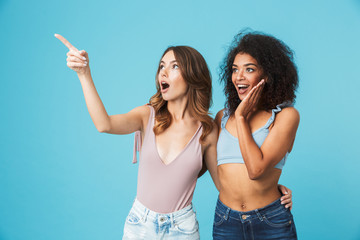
{"points": [[169, 165], [169, 149], [237, 190], [182, 132]]}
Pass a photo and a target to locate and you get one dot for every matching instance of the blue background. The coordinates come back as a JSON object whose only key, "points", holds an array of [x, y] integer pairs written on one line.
{"points": [[61, 179]]}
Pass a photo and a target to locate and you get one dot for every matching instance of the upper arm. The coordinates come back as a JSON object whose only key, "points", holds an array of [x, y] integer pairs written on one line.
{"points": [[210, 155], [218, 118], [281, 136], [129, 122]]}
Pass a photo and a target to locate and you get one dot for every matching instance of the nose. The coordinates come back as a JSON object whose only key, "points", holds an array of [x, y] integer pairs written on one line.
{"points": [[163, 72], [240, 74]]}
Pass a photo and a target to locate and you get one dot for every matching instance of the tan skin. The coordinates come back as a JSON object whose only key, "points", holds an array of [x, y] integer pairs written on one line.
{"points": [[254, 184], [182, 128]]}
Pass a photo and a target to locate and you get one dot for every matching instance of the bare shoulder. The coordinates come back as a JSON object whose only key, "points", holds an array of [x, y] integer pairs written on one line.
{"points": [[142, 111], [211, 138], [288, 115], [219, 116], [290, 112]]}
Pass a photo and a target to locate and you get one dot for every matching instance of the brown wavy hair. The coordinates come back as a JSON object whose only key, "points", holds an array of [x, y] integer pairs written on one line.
{"points": [[196, 74], [276, 60]]}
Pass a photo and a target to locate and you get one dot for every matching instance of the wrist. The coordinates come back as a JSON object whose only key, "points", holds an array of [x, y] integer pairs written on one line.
{"points": [[84, 74], [241, 121], [240, 117]]}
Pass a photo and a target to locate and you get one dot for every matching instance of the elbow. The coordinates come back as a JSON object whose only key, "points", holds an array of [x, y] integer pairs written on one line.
{"points": [[103, 129], [255, 174]]}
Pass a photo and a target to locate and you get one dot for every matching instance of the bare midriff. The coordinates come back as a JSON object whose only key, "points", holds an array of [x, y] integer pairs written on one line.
{"points": [[240, 193]]}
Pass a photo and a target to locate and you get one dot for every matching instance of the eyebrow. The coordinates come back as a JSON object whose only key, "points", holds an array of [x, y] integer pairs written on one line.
{"points": [[170, 62], [246, 65]]}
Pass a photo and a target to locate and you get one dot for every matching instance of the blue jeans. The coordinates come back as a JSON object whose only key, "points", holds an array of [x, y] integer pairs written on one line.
{"points": [[143, 223], [273, 221]]}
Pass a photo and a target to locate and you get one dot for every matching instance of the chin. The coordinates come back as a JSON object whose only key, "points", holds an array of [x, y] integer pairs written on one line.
{"points": [[165, 98]]}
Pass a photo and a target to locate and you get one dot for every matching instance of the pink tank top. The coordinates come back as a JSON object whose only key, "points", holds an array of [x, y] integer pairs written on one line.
{"points": [[166, 188]]}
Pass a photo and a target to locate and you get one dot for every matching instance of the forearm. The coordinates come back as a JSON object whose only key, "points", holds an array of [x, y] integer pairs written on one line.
{"points": [[214, 175], [94, 104], [251, 153]]}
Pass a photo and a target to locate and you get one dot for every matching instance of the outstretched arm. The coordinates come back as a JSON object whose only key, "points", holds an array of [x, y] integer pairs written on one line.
{"points": [[116, 124]]}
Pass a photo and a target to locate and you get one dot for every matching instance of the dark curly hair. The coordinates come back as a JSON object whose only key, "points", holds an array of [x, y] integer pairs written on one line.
{"points": [[276, 61]]}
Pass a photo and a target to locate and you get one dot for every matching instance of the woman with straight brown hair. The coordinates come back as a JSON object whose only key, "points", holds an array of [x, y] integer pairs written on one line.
{"points": [[176, 134], [177, 138]]}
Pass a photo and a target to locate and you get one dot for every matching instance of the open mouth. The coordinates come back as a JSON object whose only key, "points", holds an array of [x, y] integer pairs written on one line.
{"points": [[164, 85], [243, 87]]}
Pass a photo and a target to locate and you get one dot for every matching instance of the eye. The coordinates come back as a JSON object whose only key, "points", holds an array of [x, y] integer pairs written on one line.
{"points": [[250, 70], [175, 66], [161, 67], [234, 70]]}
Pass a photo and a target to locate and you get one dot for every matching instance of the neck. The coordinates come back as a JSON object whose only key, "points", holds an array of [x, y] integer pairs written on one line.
{"points": [[178, 108]]}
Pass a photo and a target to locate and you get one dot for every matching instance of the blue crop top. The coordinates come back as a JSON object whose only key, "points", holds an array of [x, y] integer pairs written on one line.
{"points": [[228, 149]]}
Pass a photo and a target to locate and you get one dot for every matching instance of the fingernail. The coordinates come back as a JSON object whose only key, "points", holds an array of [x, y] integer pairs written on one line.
{"points": [[286, 207], [286, 192], [84, 64], [84, 58]]}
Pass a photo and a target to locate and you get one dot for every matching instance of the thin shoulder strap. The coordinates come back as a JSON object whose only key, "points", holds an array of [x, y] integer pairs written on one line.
{"points": [[278, 108], [137, 137], [225, 117]]}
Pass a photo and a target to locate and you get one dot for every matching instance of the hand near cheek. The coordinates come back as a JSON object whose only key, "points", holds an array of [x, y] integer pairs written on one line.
{"points": [[251, 100]]}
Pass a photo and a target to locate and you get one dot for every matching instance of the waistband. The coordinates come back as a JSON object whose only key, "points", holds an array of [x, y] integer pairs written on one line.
{"points": [[177, 214], [271, 209]]}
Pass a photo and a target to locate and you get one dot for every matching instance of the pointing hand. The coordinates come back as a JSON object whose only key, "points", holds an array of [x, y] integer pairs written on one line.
{"points": [[76, 60]]}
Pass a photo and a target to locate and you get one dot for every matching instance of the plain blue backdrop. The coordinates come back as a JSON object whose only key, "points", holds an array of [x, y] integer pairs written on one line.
{"points": [[61, 179]]}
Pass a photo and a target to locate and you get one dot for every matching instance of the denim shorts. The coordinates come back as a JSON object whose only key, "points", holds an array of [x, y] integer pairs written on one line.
{"points": [[273, 221], [143, 223]]}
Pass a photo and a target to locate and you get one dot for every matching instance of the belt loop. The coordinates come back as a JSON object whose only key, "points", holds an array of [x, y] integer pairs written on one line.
{"points": [[146, 214], [226, 216], [172, 219], [259, 215]]}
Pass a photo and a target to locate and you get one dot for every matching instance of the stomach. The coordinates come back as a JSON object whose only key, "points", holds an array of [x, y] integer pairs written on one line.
{"points": [[240, 193]]}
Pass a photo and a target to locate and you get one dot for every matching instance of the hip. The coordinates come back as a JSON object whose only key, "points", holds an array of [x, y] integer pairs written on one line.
{"points": [[142, 223]]}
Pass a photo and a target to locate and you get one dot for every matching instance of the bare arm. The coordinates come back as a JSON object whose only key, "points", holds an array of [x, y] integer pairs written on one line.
{"points": [[277, 143], [116, 124], [218, 118], [210, 156], [275, 146]]}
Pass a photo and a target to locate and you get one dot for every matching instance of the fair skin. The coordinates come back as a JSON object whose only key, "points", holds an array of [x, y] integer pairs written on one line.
{"points": [[182, 128], [174, 90], [253, 185]]}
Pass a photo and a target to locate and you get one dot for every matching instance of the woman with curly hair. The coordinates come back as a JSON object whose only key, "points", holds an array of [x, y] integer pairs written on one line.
{"points": [[257, 132]]}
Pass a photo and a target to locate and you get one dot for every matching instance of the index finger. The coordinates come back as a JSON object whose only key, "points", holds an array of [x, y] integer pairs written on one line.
{"points": [[65, 42]]}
